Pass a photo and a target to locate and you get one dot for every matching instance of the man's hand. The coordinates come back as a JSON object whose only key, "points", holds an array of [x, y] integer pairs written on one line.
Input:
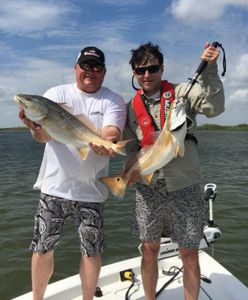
{"points": [[210, 53], [30, 124], [110, 133], [134, 177], [101, 150], [37, 131]]}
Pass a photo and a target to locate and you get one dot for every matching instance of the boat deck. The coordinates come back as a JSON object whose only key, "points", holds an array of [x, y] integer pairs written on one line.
{"points": [[222, 286]]}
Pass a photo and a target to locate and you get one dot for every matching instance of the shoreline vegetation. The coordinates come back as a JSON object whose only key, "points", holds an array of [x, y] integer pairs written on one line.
{"points": [[222, 127], [200, 127]]}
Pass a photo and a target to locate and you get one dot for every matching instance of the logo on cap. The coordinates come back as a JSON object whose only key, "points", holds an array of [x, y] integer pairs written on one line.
{"points": [[91, 52]]}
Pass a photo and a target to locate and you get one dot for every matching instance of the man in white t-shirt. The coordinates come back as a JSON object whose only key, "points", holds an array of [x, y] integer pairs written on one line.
{"points": [[69, 186]]}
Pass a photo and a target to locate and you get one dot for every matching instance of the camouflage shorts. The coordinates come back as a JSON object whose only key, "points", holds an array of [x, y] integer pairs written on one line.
{"points": [[179, 214], [54, 212]]}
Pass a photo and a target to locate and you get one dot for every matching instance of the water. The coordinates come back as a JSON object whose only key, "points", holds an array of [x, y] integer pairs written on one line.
{"points": [[223, 157]]}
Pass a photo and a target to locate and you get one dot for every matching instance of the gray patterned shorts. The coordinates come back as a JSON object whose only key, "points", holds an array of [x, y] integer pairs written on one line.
{"points": [[54, 212], [179, 214]]}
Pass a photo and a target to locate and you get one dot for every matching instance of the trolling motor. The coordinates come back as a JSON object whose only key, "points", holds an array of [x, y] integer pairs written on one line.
{"points": [[211, 231], [210, 191]]}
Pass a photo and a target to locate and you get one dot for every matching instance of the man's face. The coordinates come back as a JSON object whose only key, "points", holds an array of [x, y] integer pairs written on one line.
{"points": [[89, 76], [149, 76]]}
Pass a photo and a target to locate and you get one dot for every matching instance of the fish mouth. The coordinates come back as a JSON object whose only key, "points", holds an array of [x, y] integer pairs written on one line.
{"points": [[20, 101], [16, 98]]}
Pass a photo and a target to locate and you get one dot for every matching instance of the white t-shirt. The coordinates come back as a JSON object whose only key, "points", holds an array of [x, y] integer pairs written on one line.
{"points": [[63, 173]]}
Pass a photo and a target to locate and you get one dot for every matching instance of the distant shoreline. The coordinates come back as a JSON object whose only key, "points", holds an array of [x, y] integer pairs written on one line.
{"points": [[222, 127], [238, 127], [15, 129]]}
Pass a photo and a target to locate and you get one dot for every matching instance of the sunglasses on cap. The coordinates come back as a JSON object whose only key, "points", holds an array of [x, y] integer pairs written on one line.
{"points": [[150, 69], [91, 67]]}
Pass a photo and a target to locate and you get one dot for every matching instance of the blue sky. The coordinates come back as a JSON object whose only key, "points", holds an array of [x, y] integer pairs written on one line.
{"points": [[40, 40]]}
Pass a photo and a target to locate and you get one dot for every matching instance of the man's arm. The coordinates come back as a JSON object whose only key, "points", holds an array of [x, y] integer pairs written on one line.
{"points": [[207, 97]]}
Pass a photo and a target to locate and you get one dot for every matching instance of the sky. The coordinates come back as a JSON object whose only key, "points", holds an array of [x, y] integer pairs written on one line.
{"points": [[40, 41]]}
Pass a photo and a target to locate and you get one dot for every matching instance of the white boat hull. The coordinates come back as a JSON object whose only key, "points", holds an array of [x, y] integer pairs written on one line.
{"points": [[217, 282], [223, 286]]}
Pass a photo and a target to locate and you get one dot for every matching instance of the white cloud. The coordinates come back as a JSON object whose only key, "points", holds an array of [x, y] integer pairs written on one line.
{"points": [[239, 97], [34, 76], [239, 75], [31, 65], [25, 16], [192, 11]]}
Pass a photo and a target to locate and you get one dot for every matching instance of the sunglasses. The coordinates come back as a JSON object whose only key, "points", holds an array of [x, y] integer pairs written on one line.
{"points": [[150, 69], [91, 67]]}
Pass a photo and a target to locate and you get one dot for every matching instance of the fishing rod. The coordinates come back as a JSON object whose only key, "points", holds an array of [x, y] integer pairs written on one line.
{"points": [[201, 67]]}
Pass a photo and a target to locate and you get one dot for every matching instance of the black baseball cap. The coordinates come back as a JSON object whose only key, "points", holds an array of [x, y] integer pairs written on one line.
{"points": [[91, 54]]}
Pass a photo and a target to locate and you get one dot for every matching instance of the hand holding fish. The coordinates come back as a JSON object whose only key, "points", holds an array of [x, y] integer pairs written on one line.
{"points": [[30, 124], [101, 150], [168, 145], [210, 53], [109, 133], [58, 123], [37, 131], [133, 176]]}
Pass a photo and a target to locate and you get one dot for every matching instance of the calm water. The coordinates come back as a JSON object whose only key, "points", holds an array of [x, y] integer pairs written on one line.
{"points": [[223, 157]]}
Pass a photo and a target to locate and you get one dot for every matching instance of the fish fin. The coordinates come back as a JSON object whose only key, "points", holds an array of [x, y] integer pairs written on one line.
{"points": [[83, 152], [168, 138], [116, 184], [180, 150], [66, 107], [119, 147], [88, 123], [147, 179]]}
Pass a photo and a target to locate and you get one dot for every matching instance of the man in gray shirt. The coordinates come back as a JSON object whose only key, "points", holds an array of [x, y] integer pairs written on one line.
{"points": [[172, 205]]}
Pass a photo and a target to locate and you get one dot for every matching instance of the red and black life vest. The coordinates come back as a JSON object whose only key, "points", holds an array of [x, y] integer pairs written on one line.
{"points": [[145, 120]]}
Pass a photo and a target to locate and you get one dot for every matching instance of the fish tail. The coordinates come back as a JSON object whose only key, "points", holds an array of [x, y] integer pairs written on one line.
{"points": [[119, 147], [116, 184]]}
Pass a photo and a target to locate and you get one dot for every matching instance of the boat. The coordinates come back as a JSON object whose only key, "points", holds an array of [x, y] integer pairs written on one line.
{"points": [[122, 280]]}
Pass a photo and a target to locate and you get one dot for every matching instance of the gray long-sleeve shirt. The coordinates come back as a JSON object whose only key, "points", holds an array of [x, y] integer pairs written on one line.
{"points": [[206, 97]]}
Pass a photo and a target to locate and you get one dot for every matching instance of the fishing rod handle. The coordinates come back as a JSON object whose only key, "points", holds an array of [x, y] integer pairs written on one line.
{"points": [[204, 63]]}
